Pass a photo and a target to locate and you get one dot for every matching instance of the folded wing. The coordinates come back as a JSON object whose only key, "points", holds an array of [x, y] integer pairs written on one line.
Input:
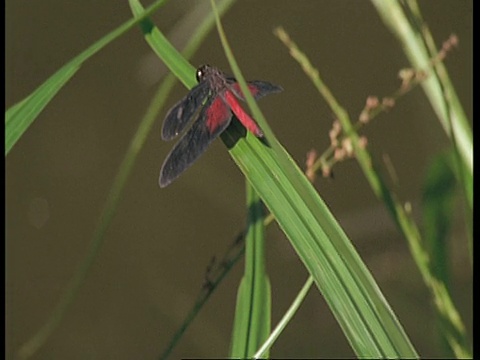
{"points": [[258, 89], [213, 119], [182, 112]]}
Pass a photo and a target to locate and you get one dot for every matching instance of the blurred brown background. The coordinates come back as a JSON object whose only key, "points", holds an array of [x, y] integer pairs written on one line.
{"points": [[160, 242]]}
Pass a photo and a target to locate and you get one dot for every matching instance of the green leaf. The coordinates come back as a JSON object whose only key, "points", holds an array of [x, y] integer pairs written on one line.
{"points": [[253, 309], [353, 296], [437, 204], [20, 116], [178, 65], [356, 301]]}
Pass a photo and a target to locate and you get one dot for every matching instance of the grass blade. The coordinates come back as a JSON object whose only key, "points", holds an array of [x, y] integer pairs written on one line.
{"points": [[263, 350], [253, 309], [20, 116], [348, 287], [437, 204], [437, 87], [406, 22], [364, 315]]}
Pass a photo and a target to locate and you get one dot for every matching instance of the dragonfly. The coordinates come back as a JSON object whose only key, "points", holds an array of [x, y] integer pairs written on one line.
{"points": [[210, 107]]}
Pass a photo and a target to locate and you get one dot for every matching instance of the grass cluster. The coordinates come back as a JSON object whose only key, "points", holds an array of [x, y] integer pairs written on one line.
{"points": [[274, 179]]}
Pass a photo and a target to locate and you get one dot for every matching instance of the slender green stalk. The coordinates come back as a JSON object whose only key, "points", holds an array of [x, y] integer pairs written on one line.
{"points": [[455, 332], [411, 36], [453, 111], [287, 317]]}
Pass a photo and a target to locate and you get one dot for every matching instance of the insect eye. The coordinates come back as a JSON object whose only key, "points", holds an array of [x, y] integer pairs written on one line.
{"points": [[201, 72]]}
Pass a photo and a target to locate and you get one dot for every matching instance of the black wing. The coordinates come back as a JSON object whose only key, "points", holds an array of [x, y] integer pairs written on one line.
{"points": [[258, 88], [183, 111], [196, 139]]}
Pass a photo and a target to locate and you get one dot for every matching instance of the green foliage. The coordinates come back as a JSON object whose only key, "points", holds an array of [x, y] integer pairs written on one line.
{"points": [[21, 115], [253, 310], [356, 301]]}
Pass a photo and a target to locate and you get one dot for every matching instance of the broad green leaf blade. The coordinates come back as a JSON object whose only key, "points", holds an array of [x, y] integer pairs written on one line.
{"points": [[177, 63], [356, 301], [21, 115], [363, 313], [253, 309], [179, 66]]}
